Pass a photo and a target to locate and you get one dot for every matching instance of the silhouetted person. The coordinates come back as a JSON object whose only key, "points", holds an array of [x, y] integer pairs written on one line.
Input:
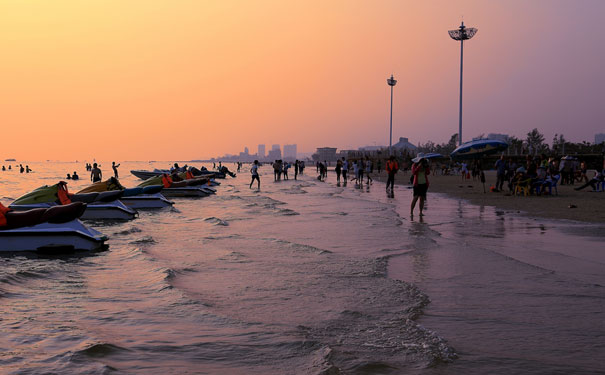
{"points": [[115, 169], [254, 172], [95, 174], [75, 176]]}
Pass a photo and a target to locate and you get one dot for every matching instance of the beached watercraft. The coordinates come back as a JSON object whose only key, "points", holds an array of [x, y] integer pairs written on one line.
{"points": [[137, 198], [192, 187], [54, 229], [203, 172], [100, 206]]}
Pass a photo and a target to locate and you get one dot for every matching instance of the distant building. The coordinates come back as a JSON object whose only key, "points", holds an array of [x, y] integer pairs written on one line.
{"points": [[245, 156], [372, 148], [325, 153], [290, 152], [404, 144], [275, 147], [274, 154], [599, 138], [498, 137], [261, 151]]}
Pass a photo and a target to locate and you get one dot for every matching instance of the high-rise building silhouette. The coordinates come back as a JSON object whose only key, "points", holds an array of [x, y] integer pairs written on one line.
{"points": [[290, 152], [261, 151]]}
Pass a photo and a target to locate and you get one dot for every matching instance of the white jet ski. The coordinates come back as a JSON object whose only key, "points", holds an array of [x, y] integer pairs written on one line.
{"points": [[52, 230]]}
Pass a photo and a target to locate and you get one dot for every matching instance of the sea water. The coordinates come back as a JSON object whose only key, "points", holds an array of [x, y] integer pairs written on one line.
{"points": [[306, 277]]}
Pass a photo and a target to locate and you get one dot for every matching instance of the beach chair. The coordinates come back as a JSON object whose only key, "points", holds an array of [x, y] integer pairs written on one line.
{"points": [[523, 187], [555, 181]]}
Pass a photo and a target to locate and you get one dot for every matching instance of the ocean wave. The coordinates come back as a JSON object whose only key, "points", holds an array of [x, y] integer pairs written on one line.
{"points": [[216, 221], [299, 247], [127, 231], [147, 240], [287, 212], [235, 257], [99, 350]]}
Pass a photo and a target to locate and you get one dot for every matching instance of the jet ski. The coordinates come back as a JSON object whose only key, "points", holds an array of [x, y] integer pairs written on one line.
{"points": [[99, 206], [48, 230], [181, 185], [137, 198]]}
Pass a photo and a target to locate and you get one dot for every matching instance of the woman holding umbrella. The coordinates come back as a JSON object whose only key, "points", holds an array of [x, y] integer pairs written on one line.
{"points": [[420, 171]]}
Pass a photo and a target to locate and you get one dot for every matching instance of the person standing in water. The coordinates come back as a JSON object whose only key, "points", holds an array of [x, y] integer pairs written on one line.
{"points": [[338, 170], [115, 169], [420, 171], [254, 171], [392, 167], [369, 169], [95, 174]]}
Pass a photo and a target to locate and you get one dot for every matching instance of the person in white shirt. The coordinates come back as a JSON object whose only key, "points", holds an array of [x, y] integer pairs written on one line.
{"points": [[254, 171]]}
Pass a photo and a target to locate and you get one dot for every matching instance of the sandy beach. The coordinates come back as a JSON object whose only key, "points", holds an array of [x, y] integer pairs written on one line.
{"points": [[589, 206]]}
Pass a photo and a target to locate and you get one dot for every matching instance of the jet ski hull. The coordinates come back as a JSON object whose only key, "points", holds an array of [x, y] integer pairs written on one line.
{"points": [[44, 237], [146, 201], [186, 191], [115, 210], [144, 175]]}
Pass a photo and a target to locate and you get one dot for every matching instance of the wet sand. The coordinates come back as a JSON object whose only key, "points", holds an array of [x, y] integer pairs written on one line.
{"points": [[589, 206]]}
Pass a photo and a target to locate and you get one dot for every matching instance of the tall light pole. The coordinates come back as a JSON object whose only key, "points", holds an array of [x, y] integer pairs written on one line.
{"points": [[392, 82], [461, 34]]}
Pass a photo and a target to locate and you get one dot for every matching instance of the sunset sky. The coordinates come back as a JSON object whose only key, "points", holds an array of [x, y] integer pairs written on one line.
{"points": [[178, 80]]}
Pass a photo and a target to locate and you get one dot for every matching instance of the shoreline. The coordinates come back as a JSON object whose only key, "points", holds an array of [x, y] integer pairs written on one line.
{"points": [[589, 206]]}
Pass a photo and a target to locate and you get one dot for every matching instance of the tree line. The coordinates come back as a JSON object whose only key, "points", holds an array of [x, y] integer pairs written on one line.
{"points": [[533, 144]]}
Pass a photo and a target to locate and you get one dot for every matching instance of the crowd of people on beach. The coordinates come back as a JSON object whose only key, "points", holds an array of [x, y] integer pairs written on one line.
{"points": [[540, 173], [420, 171]]}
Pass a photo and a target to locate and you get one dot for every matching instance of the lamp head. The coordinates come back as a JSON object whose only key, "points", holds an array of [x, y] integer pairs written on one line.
{"points": [[391, 81]]}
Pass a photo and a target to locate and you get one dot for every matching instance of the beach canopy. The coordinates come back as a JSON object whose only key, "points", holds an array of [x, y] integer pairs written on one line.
{"points": [[478, 148], [432, 155]]}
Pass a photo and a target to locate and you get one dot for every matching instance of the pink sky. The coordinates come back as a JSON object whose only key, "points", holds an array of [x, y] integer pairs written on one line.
{"points": [[162, 80]]}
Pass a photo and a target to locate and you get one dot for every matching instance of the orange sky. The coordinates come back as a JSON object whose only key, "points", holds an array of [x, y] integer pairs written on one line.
{"points": [[163, 80]]}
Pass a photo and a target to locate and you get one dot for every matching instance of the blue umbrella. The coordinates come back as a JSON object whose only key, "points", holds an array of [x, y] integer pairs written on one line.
{"points": [[478, 148], [432, 155]]}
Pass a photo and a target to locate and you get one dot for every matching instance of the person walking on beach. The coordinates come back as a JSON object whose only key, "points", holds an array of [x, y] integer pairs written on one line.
{"points": [[360, 169], [369, 169], [391, 167], [296, 166], [345, 169], [95, 174], [286, 167], [420, 171], [501, 168], [115, 169], [254, 172], [338, 170]]}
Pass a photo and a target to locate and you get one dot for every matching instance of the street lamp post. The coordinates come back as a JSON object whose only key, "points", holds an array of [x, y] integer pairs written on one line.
{"points": [[392, 82], [462, 33]]}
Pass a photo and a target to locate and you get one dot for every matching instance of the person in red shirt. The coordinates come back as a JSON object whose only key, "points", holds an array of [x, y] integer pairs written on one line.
{"points": [[392, 167]]}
